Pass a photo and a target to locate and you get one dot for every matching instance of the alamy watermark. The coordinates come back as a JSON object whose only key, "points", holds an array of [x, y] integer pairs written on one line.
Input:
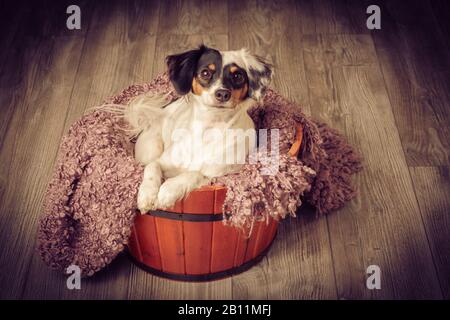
{"points": [[374, 279], [196, 147], [374, 20], [73, 22], [74, 278]]}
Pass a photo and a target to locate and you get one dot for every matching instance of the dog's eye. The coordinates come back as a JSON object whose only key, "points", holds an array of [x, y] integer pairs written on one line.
{"points": [[238, 78], [205, 74]]}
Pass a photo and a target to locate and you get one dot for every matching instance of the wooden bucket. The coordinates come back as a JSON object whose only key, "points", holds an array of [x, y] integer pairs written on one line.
{"points": [[190, 242]]}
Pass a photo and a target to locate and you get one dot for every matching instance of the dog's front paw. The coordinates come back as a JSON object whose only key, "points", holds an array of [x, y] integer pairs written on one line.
{"points": [[147, 197], [168, 194]]}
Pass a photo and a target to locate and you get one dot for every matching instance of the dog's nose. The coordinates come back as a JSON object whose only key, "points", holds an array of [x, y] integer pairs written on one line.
{"points": [[223, 95]]}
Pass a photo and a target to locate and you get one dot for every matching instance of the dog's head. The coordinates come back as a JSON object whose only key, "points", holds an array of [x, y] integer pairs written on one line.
{"points": [[219, 79]]}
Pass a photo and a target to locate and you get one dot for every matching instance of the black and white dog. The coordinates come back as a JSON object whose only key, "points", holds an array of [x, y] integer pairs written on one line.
{"points": [[182, 144]]}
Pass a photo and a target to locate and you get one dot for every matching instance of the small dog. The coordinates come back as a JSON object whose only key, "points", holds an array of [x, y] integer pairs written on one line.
{"points": [[216, 88]]}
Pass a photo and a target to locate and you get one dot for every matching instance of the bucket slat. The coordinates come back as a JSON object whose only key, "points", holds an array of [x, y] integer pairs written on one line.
{"points": [[171, 245], [224, 238], [197, 245], [252, 241], [134, 245], [197, 236], [219, 198], [199, 202], [241, 248], [264, 236], [272, 230], [147, 240], [224, 241]]}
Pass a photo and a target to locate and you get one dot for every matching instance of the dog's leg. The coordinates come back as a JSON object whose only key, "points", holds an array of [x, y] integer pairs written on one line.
{"points": [[177, 187], [148, 148], [148, 190]]}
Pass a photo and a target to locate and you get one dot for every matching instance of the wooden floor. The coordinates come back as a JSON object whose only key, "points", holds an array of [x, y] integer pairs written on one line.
{"points": [[387, 90]]}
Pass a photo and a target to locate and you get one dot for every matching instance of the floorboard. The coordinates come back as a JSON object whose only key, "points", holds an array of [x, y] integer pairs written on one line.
{"points": [[432, 186]]}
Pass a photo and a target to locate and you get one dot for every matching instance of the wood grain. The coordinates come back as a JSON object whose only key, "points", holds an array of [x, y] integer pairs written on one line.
{"points": [[340, 17], [193, 17], [432, 186]]}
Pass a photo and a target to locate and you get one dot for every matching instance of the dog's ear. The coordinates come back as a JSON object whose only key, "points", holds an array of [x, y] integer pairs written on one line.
{"points": [[182, 68], [259, 74]]}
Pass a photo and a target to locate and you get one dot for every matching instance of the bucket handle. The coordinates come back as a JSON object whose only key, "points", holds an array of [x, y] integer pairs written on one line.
{"points": [[295, 148]]}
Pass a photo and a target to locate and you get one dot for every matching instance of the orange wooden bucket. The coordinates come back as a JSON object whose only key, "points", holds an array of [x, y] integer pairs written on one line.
{"points": [[190, 242]]}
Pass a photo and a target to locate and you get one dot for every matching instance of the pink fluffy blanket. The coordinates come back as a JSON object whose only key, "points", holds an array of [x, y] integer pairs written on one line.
{"points": [[90, 203]]}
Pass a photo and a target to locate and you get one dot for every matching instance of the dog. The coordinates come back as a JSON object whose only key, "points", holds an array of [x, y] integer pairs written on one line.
{"points": [[182, 144]]}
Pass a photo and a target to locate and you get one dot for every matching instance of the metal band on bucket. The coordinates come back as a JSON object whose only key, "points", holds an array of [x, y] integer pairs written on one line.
{"points": [[186, 216]]}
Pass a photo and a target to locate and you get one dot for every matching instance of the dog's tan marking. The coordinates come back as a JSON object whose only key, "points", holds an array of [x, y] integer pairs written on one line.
{"points": [[239, 94], [212, 67], [233, 69], [197, 88]]}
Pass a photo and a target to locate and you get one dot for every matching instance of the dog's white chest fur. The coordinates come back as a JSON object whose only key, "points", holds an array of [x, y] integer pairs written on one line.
{"points": [[198, 138]]}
